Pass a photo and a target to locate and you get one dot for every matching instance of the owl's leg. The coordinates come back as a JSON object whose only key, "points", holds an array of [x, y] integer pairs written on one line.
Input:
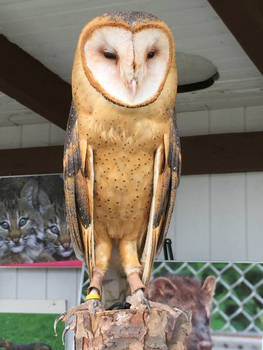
{"points": [[103, 249], [132, 267]]}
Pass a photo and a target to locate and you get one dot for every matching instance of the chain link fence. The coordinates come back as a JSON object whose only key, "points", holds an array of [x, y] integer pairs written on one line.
{"points": [[238, 301]]}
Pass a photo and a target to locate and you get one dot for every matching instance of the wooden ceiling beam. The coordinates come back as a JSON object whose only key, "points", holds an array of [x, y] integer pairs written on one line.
{"points": [[222, 153], [205, 154], [31, 161], [244, 18], [25, 79]]}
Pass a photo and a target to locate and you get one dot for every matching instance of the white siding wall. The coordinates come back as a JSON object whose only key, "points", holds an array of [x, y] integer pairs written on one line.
{"points": [[48, 283], [217, 217]]}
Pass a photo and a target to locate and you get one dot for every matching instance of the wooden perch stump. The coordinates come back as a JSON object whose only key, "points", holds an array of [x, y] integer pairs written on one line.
{"points": [[163, 328]]}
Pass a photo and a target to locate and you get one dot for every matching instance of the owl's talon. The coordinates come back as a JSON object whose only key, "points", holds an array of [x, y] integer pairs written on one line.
{"points": [[148, 304], [66, 329], [58, 318]]}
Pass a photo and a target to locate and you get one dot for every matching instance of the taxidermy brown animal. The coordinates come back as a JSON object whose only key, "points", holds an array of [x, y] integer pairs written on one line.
{"points": [[122, 154], [32, 346], [188, 293]]}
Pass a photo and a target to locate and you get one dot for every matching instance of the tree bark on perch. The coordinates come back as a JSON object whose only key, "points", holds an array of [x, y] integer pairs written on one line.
{"points": [[163, 328]]}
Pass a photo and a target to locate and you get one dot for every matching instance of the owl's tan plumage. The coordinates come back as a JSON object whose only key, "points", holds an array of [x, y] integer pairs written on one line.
{"points": [[122, 154]]}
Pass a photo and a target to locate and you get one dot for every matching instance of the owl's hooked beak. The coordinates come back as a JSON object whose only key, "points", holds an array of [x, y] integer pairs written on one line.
{"points": [[133, 87]]}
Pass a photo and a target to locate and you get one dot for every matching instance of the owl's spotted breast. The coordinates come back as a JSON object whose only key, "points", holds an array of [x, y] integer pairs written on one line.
{"points": [[122, 189]]}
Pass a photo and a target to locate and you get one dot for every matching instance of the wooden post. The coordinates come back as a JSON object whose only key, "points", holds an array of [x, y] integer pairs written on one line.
{"points": [[163, 328]]}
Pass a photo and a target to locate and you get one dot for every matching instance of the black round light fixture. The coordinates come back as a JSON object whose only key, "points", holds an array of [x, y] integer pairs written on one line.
{"points": [[194, 72]]}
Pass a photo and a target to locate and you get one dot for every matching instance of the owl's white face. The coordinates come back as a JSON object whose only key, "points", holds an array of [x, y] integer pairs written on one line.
{"points": [[129, 68]]}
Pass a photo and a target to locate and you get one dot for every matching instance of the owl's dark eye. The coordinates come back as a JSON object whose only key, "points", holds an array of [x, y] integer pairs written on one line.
{"points": [[151, 54], [110, 55], [5, 225], [22, 222], [54, 229]]}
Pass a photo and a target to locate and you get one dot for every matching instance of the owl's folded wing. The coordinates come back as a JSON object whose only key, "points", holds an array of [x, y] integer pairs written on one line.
{"points": [[167, 166], [78, 186]]}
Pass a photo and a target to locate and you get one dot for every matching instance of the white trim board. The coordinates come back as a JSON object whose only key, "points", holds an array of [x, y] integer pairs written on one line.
{"points": [[237, 341], [50, 306]]}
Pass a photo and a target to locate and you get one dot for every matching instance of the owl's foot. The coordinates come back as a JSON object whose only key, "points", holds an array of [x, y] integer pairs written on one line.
{"points": [[93, 306], [137, 298], [93, 302], [138, 301]]}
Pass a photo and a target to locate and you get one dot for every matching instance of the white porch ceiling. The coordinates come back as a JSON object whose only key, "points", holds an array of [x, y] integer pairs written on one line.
{"points": [[49, 29]]}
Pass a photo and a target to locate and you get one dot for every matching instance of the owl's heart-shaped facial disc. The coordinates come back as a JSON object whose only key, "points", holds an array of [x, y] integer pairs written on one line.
{"points": [[129, 67]]}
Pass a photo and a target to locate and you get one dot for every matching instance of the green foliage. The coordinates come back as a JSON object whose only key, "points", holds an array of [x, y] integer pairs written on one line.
{"points": [[30, 328], [234, 301]]}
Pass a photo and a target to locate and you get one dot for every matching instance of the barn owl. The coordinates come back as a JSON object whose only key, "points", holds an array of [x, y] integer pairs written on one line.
{"points": [[122, 152]]}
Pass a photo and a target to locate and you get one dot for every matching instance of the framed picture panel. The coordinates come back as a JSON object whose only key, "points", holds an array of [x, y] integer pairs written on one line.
{"points": [[33, 225]]}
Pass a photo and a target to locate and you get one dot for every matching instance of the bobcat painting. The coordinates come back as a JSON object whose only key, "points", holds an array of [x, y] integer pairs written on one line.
{"points": [[52, 208], [33, 225], [21, 227]]}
